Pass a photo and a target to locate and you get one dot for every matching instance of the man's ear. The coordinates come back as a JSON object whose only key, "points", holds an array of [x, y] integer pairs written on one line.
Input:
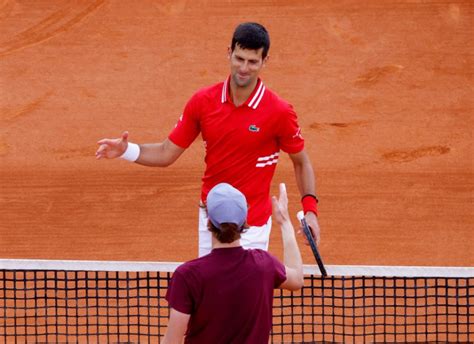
{"points": [[229, 52], [265, 60]]}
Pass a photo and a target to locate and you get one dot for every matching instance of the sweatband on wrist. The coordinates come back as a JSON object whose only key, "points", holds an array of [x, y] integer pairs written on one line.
{"points": [[310, 203], [132, 152]]}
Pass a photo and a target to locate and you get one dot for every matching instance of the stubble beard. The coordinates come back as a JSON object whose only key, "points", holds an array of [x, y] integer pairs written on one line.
{"points": [[240, 83]]}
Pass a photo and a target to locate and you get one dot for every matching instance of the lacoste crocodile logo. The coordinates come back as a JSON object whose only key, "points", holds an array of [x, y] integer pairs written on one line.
{"points": [[253, 128]]}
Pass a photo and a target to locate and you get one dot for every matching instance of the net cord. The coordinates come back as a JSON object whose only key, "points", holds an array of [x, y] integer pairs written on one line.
{"points": [[333, 270]]}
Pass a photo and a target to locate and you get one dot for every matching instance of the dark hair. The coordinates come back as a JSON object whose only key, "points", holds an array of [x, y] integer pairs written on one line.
{"points": [[251, 36], [229, 232]]}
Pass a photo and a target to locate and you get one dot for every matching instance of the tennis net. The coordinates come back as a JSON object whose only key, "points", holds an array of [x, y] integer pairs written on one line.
{"points": [[96, 302]]}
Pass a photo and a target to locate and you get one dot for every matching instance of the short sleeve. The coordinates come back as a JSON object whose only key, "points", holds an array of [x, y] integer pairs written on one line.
{"points": [[290, 139], [179, 295], [187, 128]]}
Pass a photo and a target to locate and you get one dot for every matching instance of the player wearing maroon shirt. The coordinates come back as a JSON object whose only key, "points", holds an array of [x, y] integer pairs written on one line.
{"points": [[244, 126], [227, 295]]}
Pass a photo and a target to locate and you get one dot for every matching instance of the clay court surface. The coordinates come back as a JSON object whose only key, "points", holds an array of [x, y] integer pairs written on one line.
{"points": [[383, 90]]}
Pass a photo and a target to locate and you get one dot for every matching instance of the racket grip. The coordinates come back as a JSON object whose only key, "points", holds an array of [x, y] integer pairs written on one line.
{"points": [[314, 248], [300, 216]]}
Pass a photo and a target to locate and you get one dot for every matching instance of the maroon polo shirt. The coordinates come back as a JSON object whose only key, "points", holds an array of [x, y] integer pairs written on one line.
{"points": [[229, 294]]}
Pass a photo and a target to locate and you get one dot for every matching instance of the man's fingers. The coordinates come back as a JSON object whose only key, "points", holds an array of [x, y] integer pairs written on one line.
{"points": [[102, 151], [111, 148], [99, 150], [315, 234], [282, 188], [283, 195], [114, 141], [274, 201], [305, 239], [276, 206], [109, 142], [317, 238], [103, 141]]}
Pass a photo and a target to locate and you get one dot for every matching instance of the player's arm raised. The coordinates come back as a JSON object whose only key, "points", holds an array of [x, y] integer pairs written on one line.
{"points": [[305, 180], [291, 253], [148, 154]]}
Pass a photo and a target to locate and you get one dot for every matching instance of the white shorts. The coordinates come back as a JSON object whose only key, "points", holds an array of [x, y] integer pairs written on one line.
{"points": [[254, 237]]}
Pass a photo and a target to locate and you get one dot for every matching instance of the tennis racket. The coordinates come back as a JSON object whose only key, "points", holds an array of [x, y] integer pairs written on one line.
{"points": [[314, 248]]}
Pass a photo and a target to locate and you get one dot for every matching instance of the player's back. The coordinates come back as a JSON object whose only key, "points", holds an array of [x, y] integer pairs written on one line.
{"points": [[232, 293]]}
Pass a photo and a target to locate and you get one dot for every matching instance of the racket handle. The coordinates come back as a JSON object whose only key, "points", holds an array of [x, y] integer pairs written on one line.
{"points": [[314, 248]]}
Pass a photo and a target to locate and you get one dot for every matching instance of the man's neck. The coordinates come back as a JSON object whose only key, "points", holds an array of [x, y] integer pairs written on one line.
{"points": [[217, 244], [241, 94]]}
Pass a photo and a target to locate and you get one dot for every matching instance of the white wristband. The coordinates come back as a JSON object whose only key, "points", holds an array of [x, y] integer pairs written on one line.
{"points": [[132, 153]]}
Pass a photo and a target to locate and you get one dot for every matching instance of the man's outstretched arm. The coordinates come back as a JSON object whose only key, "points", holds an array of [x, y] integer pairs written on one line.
{"points": [[149, 154]]}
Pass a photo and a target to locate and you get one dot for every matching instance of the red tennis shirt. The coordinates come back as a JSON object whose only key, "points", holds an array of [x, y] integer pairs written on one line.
{"points": [[242, 143], [229, 294]]}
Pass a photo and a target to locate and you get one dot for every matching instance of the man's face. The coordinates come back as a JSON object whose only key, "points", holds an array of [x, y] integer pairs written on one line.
{"points": [[245, 65]]}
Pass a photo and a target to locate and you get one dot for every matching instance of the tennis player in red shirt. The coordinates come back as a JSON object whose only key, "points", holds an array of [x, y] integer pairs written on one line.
{"points": [[227, 295], [244, 126]]}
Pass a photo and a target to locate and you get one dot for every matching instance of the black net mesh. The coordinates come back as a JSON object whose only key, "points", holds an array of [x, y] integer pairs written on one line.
{"points": [[111, 306]]}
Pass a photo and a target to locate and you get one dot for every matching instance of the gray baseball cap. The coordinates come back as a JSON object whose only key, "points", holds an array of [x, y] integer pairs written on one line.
{"points": [[226, 204]]}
